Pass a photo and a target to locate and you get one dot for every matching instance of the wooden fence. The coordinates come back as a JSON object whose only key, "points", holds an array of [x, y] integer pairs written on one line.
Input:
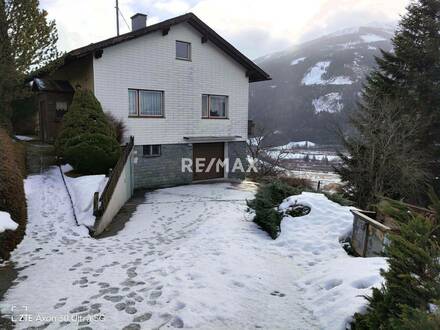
{"points": [[100, 203]]}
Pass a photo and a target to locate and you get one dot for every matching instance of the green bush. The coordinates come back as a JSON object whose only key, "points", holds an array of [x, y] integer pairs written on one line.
{"points": [[92, 153], [12, 197], [412, 278], [339, 199], [85, 116], [267, 198]]}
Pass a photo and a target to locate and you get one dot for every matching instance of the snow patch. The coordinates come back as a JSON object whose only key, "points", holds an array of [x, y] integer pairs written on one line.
{"points": [[298, 60], [6, 222], [24, 138], [336, 282], [314, 76], [331, 103], [82, 190], [273, 86], [296, 144], [372, 38]]}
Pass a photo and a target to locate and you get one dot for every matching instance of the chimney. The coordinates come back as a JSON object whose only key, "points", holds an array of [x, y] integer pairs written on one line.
{"points": [[138, 21]]}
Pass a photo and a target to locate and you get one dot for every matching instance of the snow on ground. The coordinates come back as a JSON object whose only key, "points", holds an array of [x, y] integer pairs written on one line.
{"points": [[296, 144], [82, 190], [314, 76], [298, 60], [335, 283], [331, 102], [189, 257], [24, 138], [372, 38], [6, 222], [340, 80], [302, 155]]}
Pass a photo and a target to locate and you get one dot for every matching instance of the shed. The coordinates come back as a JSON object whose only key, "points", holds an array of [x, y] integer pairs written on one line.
{"points": [[53, 100]]}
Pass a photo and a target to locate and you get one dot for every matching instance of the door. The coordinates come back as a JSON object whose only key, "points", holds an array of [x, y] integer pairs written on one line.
{"points": [[209, 154]]}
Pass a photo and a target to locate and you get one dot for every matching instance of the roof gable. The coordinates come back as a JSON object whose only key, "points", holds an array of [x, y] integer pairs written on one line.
{"points": [[254, 72]]}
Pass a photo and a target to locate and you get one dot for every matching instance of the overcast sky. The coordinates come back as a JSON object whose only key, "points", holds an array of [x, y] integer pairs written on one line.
{"points": [[255, 27]]}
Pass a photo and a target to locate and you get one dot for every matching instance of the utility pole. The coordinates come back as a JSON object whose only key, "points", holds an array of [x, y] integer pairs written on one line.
{"points": [[117, 18]]}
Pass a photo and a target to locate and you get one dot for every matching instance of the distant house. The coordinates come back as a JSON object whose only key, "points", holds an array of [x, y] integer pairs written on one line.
{"points": [[181, 89]]}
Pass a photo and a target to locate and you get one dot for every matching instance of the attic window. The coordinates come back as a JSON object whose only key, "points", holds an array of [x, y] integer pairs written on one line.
{"points": [[183, 50]]}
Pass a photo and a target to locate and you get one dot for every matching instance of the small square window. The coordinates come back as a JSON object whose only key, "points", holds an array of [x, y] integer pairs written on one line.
{"points": [[151, 150], [183, 50]]}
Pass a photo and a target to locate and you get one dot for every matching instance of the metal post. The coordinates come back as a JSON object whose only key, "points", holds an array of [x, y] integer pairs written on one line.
{"points": [[117, 18]]}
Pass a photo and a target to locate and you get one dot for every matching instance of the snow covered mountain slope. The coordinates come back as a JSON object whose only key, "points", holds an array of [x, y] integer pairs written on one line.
{"points": [[315, 85]]}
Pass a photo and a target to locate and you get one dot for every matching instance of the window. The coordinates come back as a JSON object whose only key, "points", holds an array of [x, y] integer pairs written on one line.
{"points": [[61, 109], [145, 103], [183, 50], [214, 106], [151, 150]]}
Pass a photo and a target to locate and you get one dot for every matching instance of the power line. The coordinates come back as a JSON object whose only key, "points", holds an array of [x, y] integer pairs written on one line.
{"points": [[120, 12]]}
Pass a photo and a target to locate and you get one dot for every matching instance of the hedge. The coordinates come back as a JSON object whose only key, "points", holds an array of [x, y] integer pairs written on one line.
{"points": [[12, 196]]}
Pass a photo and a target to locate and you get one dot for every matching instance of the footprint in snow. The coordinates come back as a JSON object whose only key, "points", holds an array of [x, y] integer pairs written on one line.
{"points": [[277, 294]]}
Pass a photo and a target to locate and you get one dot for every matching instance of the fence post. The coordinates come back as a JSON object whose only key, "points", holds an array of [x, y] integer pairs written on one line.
{"points": [[95, 203]]}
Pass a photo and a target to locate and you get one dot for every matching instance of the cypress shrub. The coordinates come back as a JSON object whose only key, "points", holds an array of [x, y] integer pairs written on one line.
{"points": [[267, 198], [12, 196], [92, 153], [87, 139], [85, 116]]}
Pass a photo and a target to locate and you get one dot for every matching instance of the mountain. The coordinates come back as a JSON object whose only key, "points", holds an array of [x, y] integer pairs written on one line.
{"points": [[315, 85]]}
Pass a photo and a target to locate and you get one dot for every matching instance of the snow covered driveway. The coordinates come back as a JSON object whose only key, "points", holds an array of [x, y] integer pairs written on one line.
{"points": [[189, 257]]}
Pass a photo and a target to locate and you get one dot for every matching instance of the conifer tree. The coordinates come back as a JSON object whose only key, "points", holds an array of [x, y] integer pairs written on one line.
{"points": [[409, 75]]}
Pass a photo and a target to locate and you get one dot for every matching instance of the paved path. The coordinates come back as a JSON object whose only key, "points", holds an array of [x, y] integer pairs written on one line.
{"points": [[187, 258]]}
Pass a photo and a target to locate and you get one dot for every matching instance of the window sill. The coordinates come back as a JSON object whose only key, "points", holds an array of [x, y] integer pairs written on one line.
{"points": [[152, 156], [146, 116], [183, 59], [222, 118]]}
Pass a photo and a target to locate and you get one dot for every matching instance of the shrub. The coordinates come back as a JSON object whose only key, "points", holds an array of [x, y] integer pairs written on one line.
{"points": [[85, 116], [12, 197], [339, 198], [118, 126], [292, 181], [266, 199], [92, 153], [412, 279], [24, 114]]}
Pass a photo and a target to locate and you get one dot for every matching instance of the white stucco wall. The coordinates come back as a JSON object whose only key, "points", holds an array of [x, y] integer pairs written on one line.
{"points": [[149, 62]]}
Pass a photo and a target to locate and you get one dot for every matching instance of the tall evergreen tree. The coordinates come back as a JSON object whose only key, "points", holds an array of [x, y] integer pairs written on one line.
{"points": [[409, 75], [27, 41], [32, 35], [7, 70]]}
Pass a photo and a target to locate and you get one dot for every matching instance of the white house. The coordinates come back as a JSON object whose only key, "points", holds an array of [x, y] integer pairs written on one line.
{"points": [[181, 89]]}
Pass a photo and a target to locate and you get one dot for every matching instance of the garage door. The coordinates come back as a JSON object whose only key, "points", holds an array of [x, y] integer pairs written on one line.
{"points": [[208, 151]]}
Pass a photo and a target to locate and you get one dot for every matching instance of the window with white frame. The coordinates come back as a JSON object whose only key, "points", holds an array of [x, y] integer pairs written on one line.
{"points": [[151, 150], [214, 106], [145, 103]]}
